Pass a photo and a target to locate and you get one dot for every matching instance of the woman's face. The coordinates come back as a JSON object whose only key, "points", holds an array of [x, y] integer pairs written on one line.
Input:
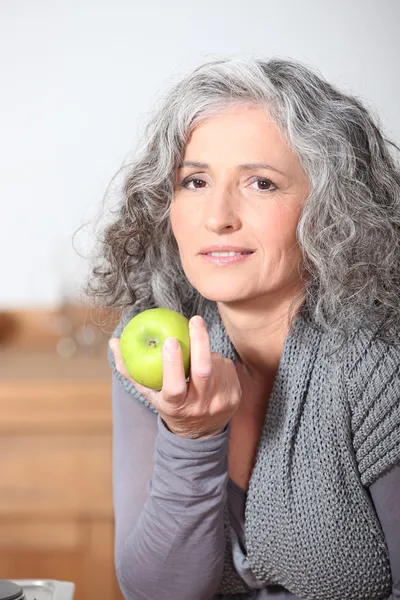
{"points": [[228, 200]]}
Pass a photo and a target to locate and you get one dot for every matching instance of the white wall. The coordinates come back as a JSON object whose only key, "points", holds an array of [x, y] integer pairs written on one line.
{"points": [[77, 77]]}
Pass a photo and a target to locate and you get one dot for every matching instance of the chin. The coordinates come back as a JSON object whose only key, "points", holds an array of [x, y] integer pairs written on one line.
{"points": [[218, 293]]}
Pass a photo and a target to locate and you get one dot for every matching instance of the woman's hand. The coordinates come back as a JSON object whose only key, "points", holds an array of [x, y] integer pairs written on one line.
{"points": [[203, 407]]}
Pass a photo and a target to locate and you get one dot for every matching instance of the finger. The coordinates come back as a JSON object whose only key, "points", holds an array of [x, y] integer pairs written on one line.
{"points": [[174, 379], [200, 351]]}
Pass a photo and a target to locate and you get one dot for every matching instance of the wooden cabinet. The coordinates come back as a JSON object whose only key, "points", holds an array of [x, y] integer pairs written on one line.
{"points": [[56, 514]]}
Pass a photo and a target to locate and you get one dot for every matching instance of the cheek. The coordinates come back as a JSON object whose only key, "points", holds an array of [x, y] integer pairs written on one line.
{"points": [[277, 230], [182, 229], [176, 222]]}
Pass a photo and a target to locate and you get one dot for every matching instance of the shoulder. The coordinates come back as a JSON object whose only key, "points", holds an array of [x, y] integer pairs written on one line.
{"points": [[372, 375], [371, 366]]}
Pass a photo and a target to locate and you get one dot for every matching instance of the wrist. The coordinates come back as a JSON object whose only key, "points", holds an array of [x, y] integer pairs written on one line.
{"points": [[195, 435]]}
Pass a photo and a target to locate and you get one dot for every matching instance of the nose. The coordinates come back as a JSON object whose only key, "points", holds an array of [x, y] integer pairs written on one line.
{"points": [[222, 212]]}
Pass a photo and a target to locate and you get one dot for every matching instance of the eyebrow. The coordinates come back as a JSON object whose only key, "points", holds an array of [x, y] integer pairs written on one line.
{"points": [[244, 167]]}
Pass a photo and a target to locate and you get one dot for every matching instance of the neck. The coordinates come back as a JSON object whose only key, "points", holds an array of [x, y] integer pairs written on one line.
{"points": [[258, 329]]}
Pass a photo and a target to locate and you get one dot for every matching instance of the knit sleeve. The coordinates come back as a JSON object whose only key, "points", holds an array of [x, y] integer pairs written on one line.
{"points": [[373, 376]]}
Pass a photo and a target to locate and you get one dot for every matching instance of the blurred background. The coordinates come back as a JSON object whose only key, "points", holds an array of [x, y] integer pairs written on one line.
{"points": [[78, 78]]}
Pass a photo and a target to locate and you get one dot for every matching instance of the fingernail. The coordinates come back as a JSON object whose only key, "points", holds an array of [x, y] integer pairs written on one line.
{"points": [[171, 344], [196, 321]]}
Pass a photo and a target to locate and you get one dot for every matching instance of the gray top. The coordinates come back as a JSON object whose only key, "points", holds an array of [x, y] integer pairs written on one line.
{"points": [[332, 429], [165, 526]]}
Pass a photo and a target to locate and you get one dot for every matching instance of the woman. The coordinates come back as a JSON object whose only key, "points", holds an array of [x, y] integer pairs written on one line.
{"points": [[274, 470]]}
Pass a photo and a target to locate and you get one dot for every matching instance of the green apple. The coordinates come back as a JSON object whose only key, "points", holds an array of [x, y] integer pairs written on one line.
{"points": [[142, 343]]}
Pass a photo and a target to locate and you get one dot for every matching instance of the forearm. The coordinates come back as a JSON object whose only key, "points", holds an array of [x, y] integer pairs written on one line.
{"points": [[176, 549]]}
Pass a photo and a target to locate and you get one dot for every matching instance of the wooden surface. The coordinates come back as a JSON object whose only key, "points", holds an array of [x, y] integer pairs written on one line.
{"points": [[40, 329], [56, 514]]}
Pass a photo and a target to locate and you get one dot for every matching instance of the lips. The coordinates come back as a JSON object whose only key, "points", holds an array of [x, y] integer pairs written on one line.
{"points": [[221, 248], [226, 252], [223, 260]]}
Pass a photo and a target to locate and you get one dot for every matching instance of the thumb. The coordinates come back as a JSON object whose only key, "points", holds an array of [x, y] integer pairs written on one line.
{"points": [[114, 344], [149, 394]]}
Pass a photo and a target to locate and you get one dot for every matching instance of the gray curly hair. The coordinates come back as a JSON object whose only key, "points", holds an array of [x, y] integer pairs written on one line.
{"points": [[350, 225]]}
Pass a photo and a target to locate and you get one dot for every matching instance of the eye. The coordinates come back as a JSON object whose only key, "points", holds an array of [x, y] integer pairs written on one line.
{"points": [[198, 183], [265, 185]]}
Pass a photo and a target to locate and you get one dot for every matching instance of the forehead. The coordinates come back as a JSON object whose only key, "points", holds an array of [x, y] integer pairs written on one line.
{"points": [[240, 135]]}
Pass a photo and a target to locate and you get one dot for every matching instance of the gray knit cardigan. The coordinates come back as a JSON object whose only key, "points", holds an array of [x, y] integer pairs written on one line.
{"points": [[332, 428]]}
